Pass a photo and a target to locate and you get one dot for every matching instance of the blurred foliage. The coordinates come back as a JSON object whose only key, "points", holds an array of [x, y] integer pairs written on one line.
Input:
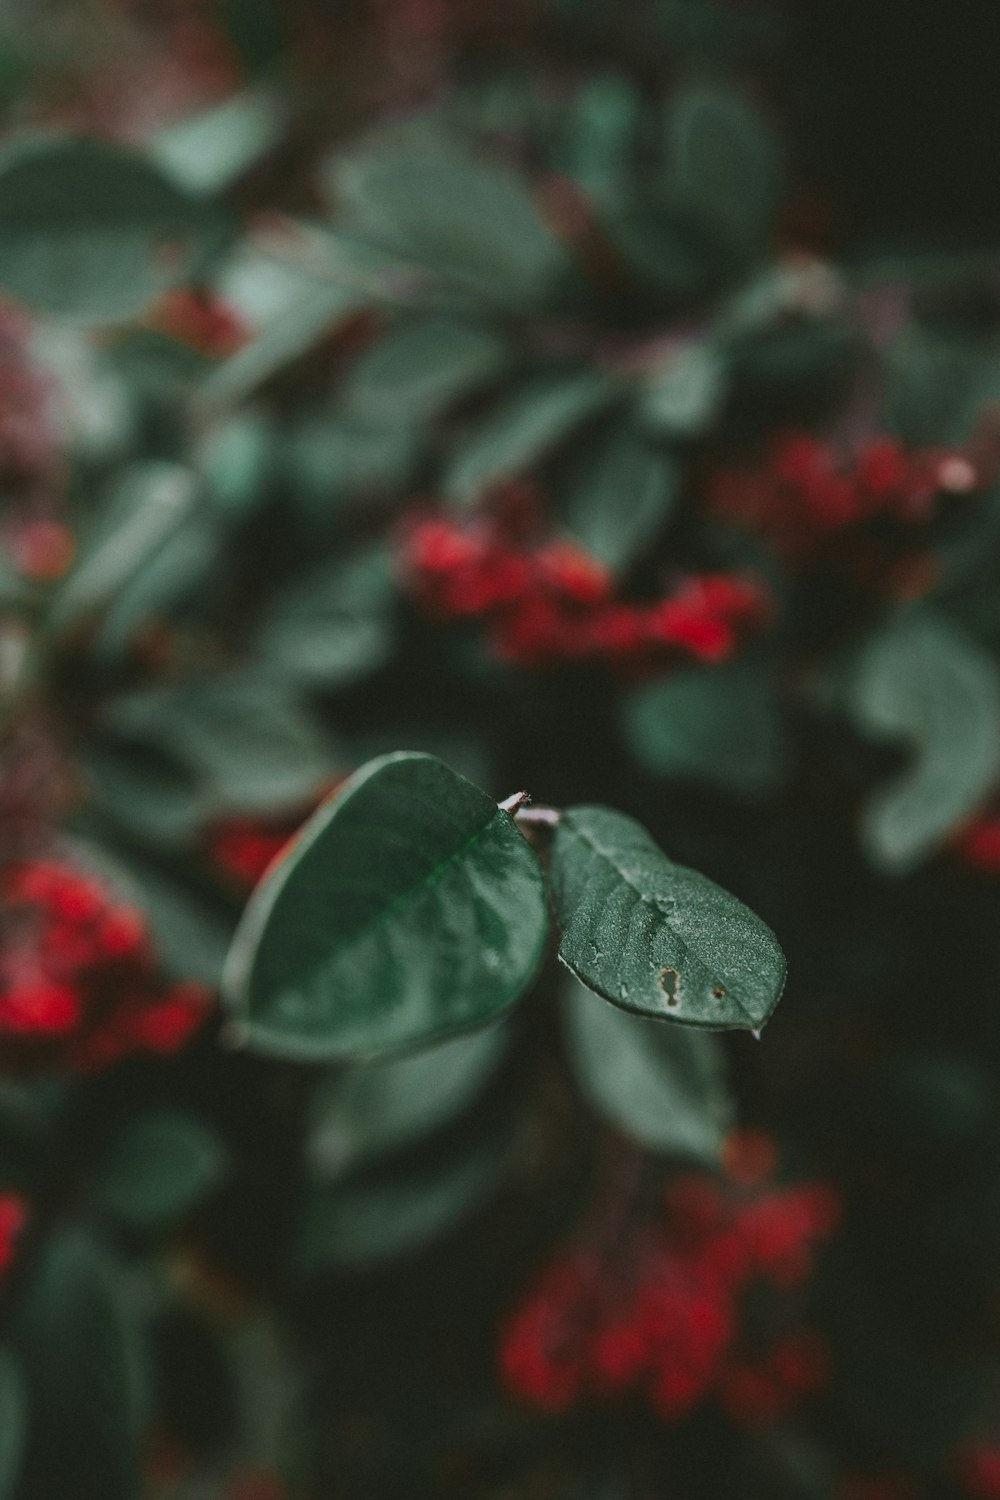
{"points": [[626, 299]]}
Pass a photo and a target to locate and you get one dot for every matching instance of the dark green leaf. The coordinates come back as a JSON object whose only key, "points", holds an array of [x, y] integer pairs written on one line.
{"points": [[420, 367], [410, 908], [662, 1085], [345, 1226], [92, 232], [332, 459], [684, 393], [175, 574], [147, 508], [523, 430], [923, 683], [236, 464], [83, 1352], [655, 937], [621, 498], [725, 164], [332, 626], [247, 741], [718, 725], [13, 1423], [367, 1110], [290, 310], [143, 792], [159, 1168], [600, 134], [429, 200]]}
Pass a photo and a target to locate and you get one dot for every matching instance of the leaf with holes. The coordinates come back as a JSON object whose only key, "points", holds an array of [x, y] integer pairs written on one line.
{"points": [[655, 937], [409, 909]]}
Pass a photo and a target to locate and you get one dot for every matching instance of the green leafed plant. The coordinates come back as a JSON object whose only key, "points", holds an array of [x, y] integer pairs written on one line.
{"points": [[412, 908]]}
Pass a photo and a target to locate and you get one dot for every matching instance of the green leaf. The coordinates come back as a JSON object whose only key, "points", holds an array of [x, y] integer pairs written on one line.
{"points": [[146, 509], [410, 908], [209, 150], [332, 626], [543, 413], [725, 163], [420, 367], [83, 1353], [160, 1166], [331, 459], [13, 1423], [621, 498], [683, 394], [247, 742], [191, 937], [717, 725], [175, 574], [290, 309], [429, 200], [922, 682], [92, 232], [143, 792], [602, 124], [662, 1085], [236, 464], [363, 1112], [655, 937], [345, 1226]]}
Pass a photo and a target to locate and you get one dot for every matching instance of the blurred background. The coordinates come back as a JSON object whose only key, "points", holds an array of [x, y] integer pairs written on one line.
{"points": [[603, 396]]}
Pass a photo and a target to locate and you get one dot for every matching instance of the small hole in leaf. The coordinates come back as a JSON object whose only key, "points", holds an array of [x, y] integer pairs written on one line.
{"points": [[719, 992], [670, 984]]}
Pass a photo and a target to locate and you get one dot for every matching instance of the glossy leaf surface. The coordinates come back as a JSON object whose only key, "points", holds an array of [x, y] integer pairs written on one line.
{"points": [[653, 936], [409, 909]]}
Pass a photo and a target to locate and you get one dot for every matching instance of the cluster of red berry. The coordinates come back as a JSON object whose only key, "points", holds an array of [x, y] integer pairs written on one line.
{"points": [[804, 496], [13, 1217], [660, 1312], [79, 983], [548, 603]]}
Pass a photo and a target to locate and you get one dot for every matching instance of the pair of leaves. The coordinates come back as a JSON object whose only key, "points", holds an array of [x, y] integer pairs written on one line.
{"points": [[411, 909]]}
